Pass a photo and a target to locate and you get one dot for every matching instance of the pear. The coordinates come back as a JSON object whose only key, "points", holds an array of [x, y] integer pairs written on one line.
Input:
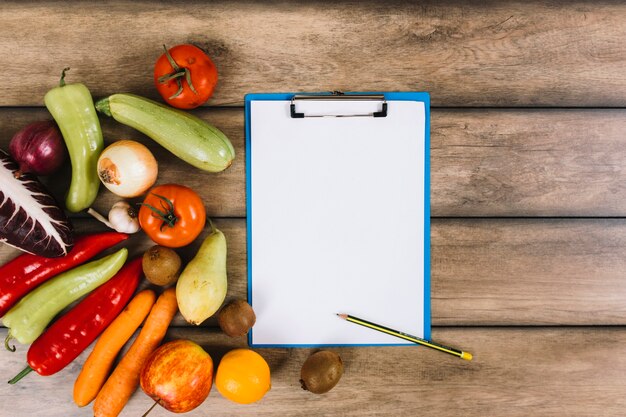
{"points": [[201, 287]]}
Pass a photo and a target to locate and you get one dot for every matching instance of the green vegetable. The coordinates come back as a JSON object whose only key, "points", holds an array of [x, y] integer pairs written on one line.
{"points": [[72, 107], [202, 286], [28, 319], [191, 139]]}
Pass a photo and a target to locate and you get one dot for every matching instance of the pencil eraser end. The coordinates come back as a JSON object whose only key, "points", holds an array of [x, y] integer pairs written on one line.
{"points": [[467, 356]]}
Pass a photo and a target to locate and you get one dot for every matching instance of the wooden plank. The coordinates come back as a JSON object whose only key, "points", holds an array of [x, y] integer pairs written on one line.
{"points": [[488, 271], [223, 193], [528, 271], [564, 371], [497, 54], [483, 162], [528, 163]]}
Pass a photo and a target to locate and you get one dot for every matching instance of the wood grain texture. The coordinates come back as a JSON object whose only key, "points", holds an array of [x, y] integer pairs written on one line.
{"points": [[528, 163], [542, 371], [528, 271], [493, 162], [510, 53], [223, 193], [486, 271]]}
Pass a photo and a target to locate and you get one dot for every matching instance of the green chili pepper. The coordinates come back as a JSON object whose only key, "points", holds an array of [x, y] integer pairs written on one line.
{"points": [[72, 107], [28, 319]]}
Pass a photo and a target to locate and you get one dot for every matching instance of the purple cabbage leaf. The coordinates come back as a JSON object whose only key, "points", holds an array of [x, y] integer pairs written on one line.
{"points": [[30, 218]]}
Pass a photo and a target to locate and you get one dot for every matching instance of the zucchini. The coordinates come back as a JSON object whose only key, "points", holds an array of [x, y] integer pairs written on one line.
{"points": [[191, 139]]}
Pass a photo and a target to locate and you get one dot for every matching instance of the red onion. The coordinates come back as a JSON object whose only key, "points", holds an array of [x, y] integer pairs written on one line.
{"points": [[38, 148]]}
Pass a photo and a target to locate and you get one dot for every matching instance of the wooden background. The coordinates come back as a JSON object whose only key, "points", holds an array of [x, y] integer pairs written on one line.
{"points": [[528, 178]]}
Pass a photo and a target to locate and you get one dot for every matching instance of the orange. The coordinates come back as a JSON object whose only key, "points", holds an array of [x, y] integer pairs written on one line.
{"points": [[243, 376]]}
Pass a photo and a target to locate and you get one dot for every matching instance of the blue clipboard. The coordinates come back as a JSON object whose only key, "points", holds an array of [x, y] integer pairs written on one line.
{"points": [[422, 97]]}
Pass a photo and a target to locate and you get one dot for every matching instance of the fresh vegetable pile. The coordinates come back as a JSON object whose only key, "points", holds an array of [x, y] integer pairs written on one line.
{"points": [[59, 268]]}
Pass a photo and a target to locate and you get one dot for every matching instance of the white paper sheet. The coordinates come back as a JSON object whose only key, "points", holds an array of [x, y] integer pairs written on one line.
{"points": [[337, 222]]}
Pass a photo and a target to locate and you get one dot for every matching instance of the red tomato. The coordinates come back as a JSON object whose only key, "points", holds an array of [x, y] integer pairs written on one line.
{"points": [[172, 215], [172, 75]]}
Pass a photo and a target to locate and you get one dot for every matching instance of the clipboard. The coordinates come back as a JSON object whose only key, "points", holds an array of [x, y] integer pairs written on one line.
{"points": [[338, 216]]}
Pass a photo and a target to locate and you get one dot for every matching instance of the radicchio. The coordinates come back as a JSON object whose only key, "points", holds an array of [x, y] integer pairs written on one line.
{"points": [[30, 218]]}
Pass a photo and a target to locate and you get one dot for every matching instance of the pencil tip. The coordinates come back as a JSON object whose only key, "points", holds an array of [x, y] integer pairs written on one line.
{"points": [[343, 316]]}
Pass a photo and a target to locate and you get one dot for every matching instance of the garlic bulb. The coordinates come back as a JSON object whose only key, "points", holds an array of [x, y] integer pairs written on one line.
{"points": [[122, 218]]}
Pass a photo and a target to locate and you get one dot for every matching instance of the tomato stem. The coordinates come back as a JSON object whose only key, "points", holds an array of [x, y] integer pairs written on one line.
{"points": [[177, 74], [167, 200], [171, 76], [179, 91], [170, 59], [167, 215], [188, 78]]}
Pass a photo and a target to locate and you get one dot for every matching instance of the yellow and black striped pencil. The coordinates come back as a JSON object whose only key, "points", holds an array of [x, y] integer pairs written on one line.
{"points": [[452, 351]]}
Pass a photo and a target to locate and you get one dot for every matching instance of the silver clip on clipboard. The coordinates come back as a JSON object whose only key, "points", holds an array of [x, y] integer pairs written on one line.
{"points": [[337, 95]]}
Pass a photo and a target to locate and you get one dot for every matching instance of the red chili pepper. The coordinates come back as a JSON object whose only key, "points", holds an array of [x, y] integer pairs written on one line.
{"points": [[70, 335], [21, 275]]}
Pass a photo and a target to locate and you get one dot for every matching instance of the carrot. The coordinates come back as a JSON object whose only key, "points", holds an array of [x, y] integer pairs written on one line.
{"points": [[125, 378], [100, 360]]}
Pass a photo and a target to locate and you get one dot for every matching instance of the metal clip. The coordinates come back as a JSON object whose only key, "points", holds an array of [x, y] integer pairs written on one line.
{"points": [[338, 95]]}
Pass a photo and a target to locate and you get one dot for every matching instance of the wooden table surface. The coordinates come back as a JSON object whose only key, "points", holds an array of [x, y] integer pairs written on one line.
{"points": [[528, 199]]}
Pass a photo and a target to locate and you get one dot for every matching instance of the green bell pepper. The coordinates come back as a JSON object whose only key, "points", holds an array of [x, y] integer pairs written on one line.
{"points": [[72, 107], [28, 319]]}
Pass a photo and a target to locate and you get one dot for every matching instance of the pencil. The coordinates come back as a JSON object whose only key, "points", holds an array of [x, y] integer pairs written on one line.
{"points": [[452, 351]]}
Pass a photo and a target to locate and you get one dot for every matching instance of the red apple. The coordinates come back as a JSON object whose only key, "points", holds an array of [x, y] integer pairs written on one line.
{"points": [[178, 375]]}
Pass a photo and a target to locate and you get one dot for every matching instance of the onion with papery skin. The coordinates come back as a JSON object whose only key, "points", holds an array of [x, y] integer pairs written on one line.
{"points": [[127, 168], [38, 148]]}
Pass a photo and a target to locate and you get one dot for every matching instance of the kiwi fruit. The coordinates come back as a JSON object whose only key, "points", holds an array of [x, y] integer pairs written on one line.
{"points": [[161, 265], [321, 372], [236, 318]]}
